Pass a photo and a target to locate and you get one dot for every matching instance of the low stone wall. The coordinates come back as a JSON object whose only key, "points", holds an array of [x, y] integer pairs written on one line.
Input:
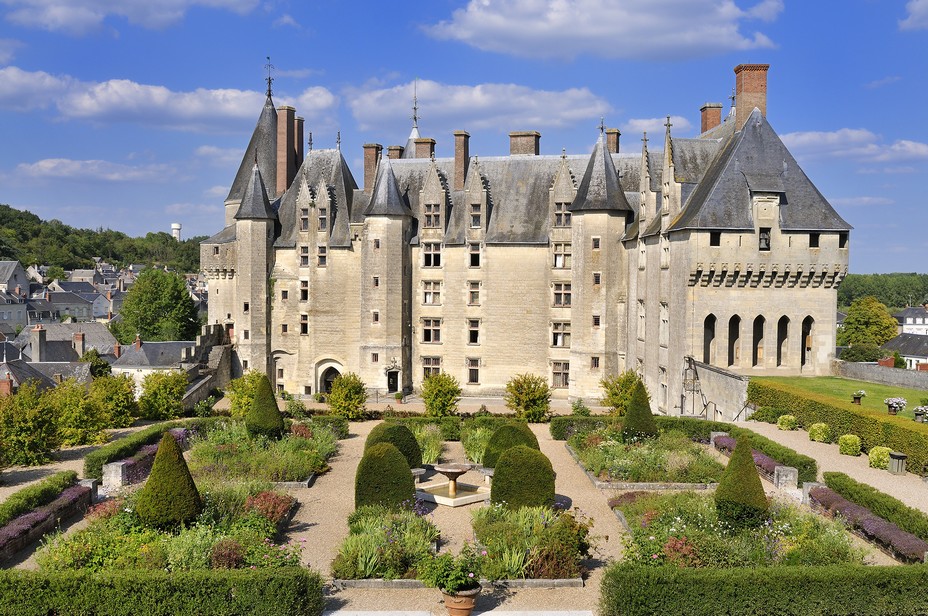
{"points": [[14, 544], [897, 377], [729, 391], [198, 391]]}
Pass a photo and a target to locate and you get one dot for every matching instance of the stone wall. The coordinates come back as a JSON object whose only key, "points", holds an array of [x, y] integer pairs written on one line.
{"points": [[729, 391], [916, 379]]}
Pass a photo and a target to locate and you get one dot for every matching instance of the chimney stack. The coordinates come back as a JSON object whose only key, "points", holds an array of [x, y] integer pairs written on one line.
{"points": [[612, 140], [117, 351], [395, 151], [425, 147], [298, 144], [371, 158], [138, 342], [461, 158], [711, 116], [750, 91], [77, 342], [286, 150], [38, 343], [6, 385], [523, 143]]}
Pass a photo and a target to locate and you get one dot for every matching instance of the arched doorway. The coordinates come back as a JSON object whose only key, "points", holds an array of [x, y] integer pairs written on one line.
{"points": [[328, 377]]}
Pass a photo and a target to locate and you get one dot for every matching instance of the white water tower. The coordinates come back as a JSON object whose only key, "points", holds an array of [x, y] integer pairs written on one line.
{"points": [[175, 230]]}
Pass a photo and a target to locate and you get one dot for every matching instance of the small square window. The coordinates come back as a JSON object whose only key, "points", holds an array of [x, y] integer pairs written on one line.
{"points": [[284, 294], [475, 215], [304, 219], [715, 238], [280, 388], [813, 240], [307, 390], [283, 328], [244, 364], [245, 334], [597, 278], [377, 244], [375, 317], [596, 243], [595, 320], [323, 219], [375, 357], [280, 373], [304, 256], [215, 250], [594, 362]]}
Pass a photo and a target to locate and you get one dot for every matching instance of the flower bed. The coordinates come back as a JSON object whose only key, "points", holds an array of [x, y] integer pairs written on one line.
{"points": [[29, 527], [764, 463], [138, 466]]}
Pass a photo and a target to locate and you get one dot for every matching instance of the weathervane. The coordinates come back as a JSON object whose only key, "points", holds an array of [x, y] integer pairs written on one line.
{"points": [[269, 79], [731, 97], [602, 125], [338, 141], [309, 141], [415, 103]]}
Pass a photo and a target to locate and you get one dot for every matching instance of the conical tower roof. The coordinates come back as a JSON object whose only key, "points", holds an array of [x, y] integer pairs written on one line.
{"points": [[600, 189], [255, 204], [386, 199], [264, 144]]}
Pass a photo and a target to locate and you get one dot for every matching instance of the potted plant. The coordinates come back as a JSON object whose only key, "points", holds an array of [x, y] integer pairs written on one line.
{"points": [[457, 577], [398, 396], [920, 412], [857, 395], [894, 405]]}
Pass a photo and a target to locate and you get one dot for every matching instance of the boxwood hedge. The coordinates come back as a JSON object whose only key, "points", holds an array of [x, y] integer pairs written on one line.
{"points": [[35, 495], [880, 503]]}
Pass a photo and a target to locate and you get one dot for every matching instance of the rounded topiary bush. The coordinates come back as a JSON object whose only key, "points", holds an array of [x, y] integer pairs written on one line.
{"points": [[819, 432], [506, 436], [401, 437], [639, 422], [849, 445], [170, 497], [879, 457], [787, 422], [523, 477], [739, 499], [383, 478], [263, 417]]}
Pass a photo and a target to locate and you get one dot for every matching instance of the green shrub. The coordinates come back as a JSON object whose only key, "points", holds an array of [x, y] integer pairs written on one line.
{"points": [[264, 418], [475, 443], [163, 394], [28, 434], [820, 433], [348, 396], [79, 418], [116, 396], [787, 422], [639, 422], [890, 509], [505, 437], [428, 436], [564, 426], [529, 396], [618, 390], [440, 393], [400, 437], [269, 592], [169, 498], [450, 425], [35, 495], [121, 449], [578, 408], [879, 457], [739, 499], [336, 423], [383, 478], [523, 477], [849, 445], [862, 353], [241, 392]]}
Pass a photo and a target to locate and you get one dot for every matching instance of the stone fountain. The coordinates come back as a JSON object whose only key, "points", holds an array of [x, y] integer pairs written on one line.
{"points": [[451, 493]]}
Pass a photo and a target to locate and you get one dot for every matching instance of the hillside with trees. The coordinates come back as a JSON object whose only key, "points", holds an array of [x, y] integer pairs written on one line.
{"points": [[894, 290], [26, 238]]}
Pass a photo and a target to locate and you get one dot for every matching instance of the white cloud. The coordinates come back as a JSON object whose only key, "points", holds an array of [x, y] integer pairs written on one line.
{"points": [[194, 210], [8, 49], [82, 16], [92, 170], [860, 201], [885, 81], [606, 28], [857, 143], [221, 157], [216, 191], [916, 15], [655, 126], [287, 20], [128, 101], [501, 106]]}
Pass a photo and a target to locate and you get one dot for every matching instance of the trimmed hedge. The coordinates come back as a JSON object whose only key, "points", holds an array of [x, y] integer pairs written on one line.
{"points": [[873, 427], [739, 498], [506, 437], [523, 477], [269, 592], [563, 427], [336, 423], [628, 590], [36, 495], [401, 437], [383, 478], [880, 503], [170, 498]]}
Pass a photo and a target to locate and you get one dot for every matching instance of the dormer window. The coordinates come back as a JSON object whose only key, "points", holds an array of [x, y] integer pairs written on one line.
{"points": [[561, 215], [432, 216], [323, 219], [304, 219], [763, 239]]}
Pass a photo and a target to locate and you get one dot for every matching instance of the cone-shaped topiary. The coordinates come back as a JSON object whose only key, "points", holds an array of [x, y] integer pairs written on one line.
{"points": [[507, 436], [263, 417], [740, 500], [169, 498], [400, 437], [639, 422], [383, 478], [523, 477]]}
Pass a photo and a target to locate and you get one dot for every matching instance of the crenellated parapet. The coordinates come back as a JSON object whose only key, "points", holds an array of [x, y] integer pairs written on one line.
{"points": [[765, 275]]}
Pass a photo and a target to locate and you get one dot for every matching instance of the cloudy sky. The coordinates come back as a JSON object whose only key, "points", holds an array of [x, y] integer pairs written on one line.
{"points": [[133, 114]]}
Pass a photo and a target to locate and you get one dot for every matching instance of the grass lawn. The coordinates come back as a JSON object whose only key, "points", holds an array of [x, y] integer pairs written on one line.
{"points": [[843, 389]]}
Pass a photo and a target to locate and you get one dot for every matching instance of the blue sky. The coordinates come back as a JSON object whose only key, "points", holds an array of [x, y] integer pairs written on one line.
{"points": [[134, 114]]}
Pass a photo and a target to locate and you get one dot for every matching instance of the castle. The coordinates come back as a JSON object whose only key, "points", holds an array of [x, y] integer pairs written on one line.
{"points": [[716, 249]]}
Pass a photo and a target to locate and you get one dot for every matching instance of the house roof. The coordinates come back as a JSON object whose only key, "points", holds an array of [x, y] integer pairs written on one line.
{"points": [[911, 311], [75, 287], [263, 145], [153, 354], [23, 372], [255, 204], [59, 339], [63, 370], [599, 188], [912, 345]]}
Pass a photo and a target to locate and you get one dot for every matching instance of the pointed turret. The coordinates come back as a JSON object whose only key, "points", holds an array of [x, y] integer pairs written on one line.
{"points": [[255, 205], [264, 142], [386, 199], [600, 188]]}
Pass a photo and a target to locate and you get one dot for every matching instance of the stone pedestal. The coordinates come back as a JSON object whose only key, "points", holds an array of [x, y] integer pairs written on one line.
{"points": [[712, 436], [114, 475], [786, 477]]}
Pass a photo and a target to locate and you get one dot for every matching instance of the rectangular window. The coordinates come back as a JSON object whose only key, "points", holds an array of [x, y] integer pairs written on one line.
{"points": [[473, 331], [431, 330], [307, 390], [245, 307], [245, 334], [280, 373], [304, 256], [304, 290], [560, 334], [560, 374], [473, 293], [596, 320], [244, 364], [475, 215], [642, 255], [664, 333], [432, 216], [323, 219], [215, 250], [377, 244], [473, 371], [715, 238], [662, 396], [283, 328], [375, 357], [561, 255], [431, 254], [562, 294], [813, 240], [665, 251], [597, 278], [763, 239], [842, 240], [431, 294], [375, 317], [322, 254], [430, 366], [641, 319], [594, 363], [304, 324], [474, 255], [376, 281], [284, 294], [561, 215], [280, 388], [304, 219]]}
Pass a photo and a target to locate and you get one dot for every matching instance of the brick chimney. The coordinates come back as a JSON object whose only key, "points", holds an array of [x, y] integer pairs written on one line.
{"points": [[6, 385], [298, 144], [710, 116], [286, 150], [750, 91], [39, 334], [371, 158], [612, 140], [461, 158], [425, 147], [77, 342], [138, 342], [524, 143], [395, 151], [117, 350]]}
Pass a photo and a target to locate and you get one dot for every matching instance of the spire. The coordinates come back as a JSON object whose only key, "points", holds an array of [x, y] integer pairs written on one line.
{"points": [[255, 205], [338, 141], [410, 150], [415, 103], [264, 143], [385, 196], [600, 188], [269, 79]]}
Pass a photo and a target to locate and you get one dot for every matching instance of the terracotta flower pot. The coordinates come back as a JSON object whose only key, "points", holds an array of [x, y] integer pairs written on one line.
{"points": [[462, 603], [857, 400], [892, 410]]}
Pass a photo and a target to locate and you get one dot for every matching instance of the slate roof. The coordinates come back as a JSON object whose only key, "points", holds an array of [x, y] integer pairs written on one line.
{"points": [[911, 311], [75, 287], [255, 204], [912, 345], [599, 188], [263, 144], [79, 371], [23, 372], [385, 195], [153, 354], [223, 237], [59, 337]]}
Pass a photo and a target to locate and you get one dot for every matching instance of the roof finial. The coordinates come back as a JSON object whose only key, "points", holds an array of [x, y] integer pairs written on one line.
{"points": [[415, 103], [563, 153], [269, 79], [732, 97], [644, 139], [668, 123], [602, 125], [309, 141], [338, 141]]}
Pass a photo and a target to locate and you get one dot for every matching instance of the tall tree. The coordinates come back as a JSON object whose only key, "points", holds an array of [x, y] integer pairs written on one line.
{"points": [[868, 322], [158, 307]]}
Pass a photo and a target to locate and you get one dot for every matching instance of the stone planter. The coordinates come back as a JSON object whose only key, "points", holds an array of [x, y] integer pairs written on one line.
{"points": [[461, 604], [856, 400], [892, 410]]}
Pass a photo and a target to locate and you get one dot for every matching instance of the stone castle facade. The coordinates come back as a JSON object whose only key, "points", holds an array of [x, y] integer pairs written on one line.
{"points": [[716, 248]]}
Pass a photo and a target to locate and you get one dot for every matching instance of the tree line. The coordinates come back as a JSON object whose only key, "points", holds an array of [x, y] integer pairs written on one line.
{"points": [[894, 290], [26, 238]]}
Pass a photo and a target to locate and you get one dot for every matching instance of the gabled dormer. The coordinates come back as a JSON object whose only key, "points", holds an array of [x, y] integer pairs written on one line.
{"points": [[562, 193], [255, 204], [600, 190], [434, 202], [386, 199]]}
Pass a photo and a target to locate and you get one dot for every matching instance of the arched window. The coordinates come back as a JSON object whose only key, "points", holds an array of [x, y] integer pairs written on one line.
{"points": [[757, 346], [734, 340], [807, 324], [708, 339], [782, 340]]}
